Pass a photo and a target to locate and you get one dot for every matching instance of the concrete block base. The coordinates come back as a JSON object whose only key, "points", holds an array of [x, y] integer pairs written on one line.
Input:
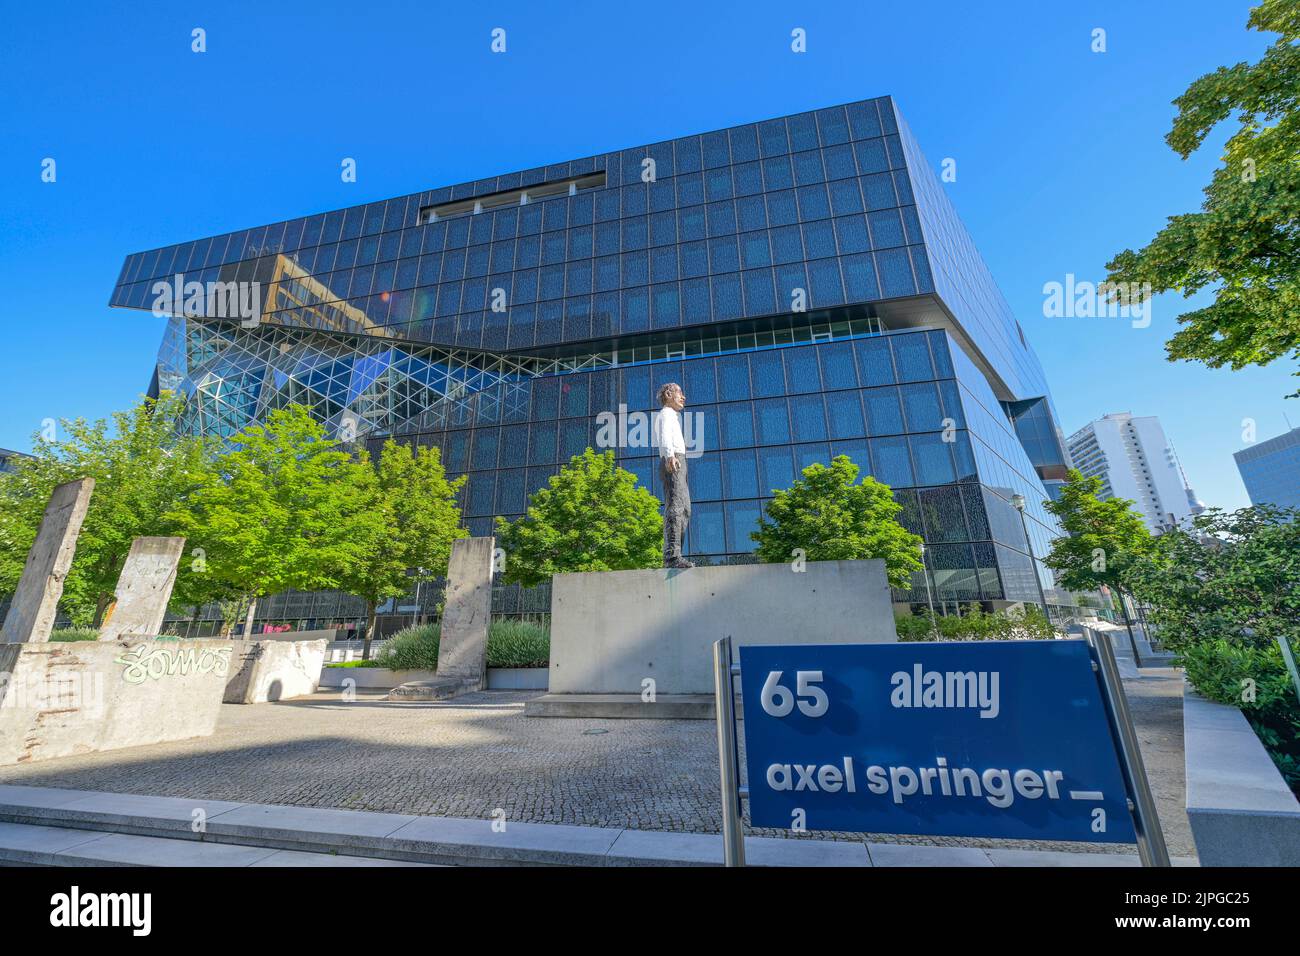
{"points": [[625, 632], [71, 698], [622, 706], [370, 678], [271, 670], [437, 688], [1240, 809]]}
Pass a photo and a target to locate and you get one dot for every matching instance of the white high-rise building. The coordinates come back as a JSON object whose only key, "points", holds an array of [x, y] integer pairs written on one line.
{"points": [[1135, 460]]}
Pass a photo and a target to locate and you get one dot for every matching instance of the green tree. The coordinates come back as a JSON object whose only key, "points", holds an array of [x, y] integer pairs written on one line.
{"points": [[141, 466], [1104, 541], [284, 508], [832, 518], [418, 520], [1245, 240], [590, 517], [1232, 576]]}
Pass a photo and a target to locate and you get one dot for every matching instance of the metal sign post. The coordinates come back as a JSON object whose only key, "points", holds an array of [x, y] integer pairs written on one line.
{"points": [[1150, 838], [733, 833], [1285, 643]]}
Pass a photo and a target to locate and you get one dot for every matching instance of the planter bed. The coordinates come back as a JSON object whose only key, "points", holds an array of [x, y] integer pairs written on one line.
{"points": [[381, 678], [1241, 811]]}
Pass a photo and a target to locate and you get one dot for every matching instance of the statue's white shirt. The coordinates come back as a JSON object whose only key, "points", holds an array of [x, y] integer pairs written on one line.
{"points": [[668, 433]]}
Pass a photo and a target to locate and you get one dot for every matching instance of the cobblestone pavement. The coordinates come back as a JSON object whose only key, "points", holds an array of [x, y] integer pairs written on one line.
{"points": [[468, 757]]}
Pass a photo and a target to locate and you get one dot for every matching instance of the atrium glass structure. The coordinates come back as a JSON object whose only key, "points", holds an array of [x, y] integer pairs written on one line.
{"points": [[805, 279]]}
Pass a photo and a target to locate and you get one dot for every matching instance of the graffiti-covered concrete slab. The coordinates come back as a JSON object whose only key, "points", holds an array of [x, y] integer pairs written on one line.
{"points": [[263, 671], [143, 588], [58, 699], [467, 612]]}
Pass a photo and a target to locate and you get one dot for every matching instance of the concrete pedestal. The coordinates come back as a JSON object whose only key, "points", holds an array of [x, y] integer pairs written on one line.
{"points": [[143, 589], [632, 632], [58, 699], [1240, 809], [263, 671]]}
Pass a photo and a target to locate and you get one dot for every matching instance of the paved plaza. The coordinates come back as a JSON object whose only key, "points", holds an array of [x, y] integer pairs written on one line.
{"points": [[479, 753]]}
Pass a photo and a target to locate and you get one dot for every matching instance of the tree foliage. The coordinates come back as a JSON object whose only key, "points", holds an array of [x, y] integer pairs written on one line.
{"points": [[1232, 576], [284, 508], [1028, 623], [1255, 679], [141, 466], [1245, 240], [830, 516], [590, 517], [1103, 540], [414, 521]]}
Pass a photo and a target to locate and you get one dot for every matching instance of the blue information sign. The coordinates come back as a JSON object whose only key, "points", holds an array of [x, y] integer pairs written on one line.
{"points": [[999, 739]]}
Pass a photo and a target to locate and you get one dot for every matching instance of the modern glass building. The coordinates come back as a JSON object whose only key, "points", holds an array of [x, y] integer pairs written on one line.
{"points": [[805, 279], [9, 459], [1270, 470]]}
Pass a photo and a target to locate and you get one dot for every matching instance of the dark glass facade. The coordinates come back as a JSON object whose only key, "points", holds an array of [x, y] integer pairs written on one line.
{"points": [[804, 279], [1270, 470], [9, 459]]}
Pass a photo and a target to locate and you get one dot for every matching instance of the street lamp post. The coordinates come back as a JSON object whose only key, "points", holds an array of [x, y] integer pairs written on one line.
{"points": [[1018, 502], [929, 597], [418, 609]]}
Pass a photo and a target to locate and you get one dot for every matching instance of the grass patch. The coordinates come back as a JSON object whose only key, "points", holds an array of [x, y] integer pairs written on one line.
{"points": [[67, 634], [355, 664]]}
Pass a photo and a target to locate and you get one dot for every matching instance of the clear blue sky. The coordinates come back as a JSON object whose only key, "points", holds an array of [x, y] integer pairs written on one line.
{"points": [[1059, 150]]}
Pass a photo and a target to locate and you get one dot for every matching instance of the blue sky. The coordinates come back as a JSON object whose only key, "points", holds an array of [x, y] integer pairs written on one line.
{"points": [[1059, 152]]}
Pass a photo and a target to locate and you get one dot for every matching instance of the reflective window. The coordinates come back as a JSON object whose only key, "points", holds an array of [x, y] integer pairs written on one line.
{"points": [[838, 367], [737, 425], [933, 459], [801, 370], [817, 453], [845, 413], [705, 532], [485, 449], [890, 461], [941, 509], [733, 372], [705, 477], [739, 476], [768, 374], [921, 406], [776, 471], [808, 417], [742, 519], [773, 422], [895, 271]]}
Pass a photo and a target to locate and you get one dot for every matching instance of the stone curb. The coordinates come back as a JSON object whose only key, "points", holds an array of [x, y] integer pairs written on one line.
{"points": [[452, 840]]}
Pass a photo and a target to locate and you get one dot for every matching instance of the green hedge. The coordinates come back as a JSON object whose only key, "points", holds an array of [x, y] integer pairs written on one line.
{"points": [[518, 644], [1255, 680], [975, 625], [510, 644]]}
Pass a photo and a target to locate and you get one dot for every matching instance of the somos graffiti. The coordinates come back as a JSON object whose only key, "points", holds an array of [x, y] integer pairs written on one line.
{"points": [[156, 661]]}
